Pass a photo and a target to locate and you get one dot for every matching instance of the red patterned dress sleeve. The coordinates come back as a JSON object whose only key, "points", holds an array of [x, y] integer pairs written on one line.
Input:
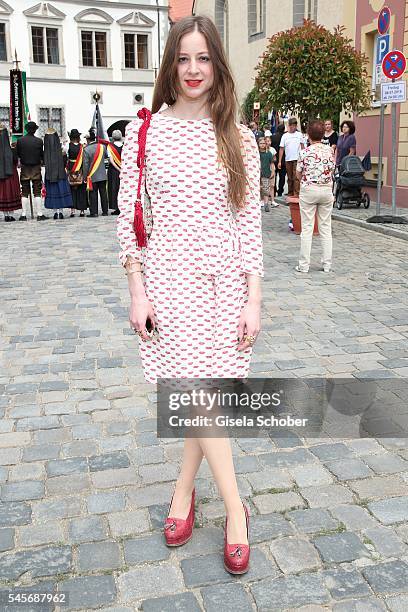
{"points": [[127, 195], [249, 219]]}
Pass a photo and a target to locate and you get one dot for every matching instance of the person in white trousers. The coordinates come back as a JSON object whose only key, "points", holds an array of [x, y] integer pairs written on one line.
{"points": [[30, 154], [315, 171]]}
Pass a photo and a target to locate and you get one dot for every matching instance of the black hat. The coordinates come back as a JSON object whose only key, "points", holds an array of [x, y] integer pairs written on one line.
{"points": [[74, 133], [31, 126]]}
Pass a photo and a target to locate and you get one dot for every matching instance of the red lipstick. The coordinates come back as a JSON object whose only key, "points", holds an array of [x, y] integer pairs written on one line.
{"points": [[193, 83]]}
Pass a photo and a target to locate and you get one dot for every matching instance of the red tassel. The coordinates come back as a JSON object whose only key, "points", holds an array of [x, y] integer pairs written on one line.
{"points": [[139, 226]]}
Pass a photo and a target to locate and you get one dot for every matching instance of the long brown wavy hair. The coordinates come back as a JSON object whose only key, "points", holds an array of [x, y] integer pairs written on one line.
{"points": [[222, 99]]}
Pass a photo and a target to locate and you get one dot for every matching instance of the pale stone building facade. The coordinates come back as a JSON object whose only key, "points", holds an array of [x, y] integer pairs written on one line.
{"points": [[245, 26]]}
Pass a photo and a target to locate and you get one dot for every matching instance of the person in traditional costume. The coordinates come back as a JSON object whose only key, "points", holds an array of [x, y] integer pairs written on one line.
{"points": [[115, 163], [95, 175], [57, 189], [75, 153], [30, 154], [10, 192]]}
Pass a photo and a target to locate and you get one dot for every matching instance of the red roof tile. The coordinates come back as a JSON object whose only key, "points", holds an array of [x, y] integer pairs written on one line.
{"points": [[179, 9]]}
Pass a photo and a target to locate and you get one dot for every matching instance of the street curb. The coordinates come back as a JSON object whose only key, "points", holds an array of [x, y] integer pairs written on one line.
{"points": [[374, 227]]}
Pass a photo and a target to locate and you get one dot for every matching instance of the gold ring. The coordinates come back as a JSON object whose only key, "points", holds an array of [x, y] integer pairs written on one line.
{"points": [[250, 339]]}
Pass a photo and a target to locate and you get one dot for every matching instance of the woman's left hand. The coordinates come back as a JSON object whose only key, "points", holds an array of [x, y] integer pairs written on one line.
{"points": [[249, 324]]}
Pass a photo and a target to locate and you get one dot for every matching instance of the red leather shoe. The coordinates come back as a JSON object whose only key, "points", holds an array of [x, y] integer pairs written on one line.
{"points": [[178, 531], [236, 556]]}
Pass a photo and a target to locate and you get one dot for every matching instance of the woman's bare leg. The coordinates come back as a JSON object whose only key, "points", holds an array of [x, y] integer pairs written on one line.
{"points": [[192, 457], [218, 453], [219, 456]]}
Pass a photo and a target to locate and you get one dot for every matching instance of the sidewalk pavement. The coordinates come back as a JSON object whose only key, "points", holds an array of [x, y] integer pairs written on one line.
{"points": [[86, 483], [358, 216]]}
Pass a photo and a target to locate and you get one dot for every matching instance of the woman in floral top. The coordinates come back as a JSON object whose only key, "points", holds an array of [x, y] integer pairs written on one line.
{"points": [[315, 170]]}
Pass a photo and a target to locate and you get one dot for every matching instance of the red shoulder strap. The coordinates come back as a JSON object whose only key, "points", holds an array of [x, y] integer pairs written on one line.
{"points": [[140, 231]]}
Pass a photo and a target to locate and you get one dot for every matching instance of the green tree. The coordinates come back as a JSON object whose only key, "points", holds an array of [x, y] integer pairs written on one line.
{"points": [[312, 72]]}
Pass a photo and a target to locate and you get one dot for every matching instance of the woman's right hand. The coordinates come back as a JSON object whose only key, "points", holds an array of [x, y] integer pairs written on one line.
{"points": [[139, 311]]}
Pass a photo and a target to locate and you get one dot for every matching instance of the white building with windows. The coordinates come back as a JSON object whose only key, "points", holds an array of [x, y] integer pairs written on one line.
{"points": [[70, 49]]}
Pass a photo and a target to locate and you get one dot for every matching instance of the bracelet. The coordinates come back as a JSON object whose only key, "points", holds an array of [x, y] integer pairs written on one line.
{"points": [[130, 269], [131, 264], [129, 272]]}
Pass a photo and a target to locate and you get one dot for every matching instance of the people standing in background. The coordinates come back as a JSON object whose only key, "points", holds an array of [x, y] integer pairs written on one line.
{"points": [[315, 171], [10, 192], [115, 165], [30, 153], [75, 152], [305, 139], [271, 149], [267, 171], [280, 173], [330, 136], [95, 175], [346, 143], [57, 190], [291, 144], [255, 130]]}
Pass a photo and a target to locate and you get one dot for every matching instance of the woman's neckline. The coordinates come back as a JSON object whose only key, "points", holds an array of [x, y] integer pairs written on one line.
{"points": [[161, 114]]}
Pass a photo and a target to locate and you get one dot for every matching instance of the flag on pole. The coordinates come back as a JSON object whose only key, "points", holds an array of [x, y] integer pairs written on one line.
{"points": [[97, 124], [26, 109]]}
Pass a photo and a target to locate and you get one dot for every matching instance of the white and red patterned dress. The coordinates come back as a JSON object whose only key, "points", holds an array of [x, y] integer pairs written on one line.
{"points": [[198, 253]]}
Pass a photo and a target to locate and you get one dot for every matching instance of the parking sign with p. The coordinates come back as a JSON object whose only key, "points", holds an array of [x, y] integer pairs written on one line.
{"points": [[383, 46]]}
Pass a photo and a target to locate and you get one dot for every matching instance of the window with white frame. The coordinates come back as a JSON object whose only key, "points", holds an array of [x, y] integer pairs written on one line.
{"points": [[94, 48], [256, 17], [259, 15], [51, 117], [312, 10], [136, 48], [45, 45], [3, 43], [5, 115]]}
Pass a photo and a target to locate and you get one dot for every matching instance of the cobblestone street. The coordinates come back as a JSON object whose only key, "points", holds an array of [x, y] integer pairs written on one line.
{"points": [[85, 483]]}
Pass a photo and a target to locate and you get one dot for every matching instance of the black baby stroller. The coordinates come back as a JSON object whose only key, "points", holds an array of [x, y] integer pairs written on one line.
{"points": [[348, 181]]}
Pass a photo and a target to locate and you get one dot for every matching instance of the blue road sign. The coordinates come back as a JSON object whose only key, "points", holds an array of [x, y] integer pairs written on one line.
{"points": [[384, 20], [383, 46]]}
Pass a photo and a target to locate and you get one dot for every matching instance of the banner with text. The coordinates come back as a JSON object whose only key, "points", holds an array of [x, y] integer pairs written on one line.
{"points": [[16, 103]]}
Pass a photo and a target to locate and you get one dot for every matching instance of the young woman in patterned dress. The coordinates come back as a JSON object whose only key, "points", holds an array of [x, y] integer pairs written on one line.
{"points": [[199, 278]]}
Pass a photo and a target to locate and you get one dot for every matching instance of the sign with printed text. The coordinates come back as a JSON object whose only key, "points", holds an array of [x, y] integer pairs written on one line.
{"points": [[394, 64], [379, 75], [383, 47], [393, 92], [384, 20], [16, 103]]}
